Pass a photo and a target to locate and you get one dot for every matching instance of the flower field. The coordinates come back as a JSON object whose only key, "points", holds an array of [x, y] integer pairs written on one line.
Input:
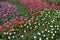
{"points": [[29, 20]]}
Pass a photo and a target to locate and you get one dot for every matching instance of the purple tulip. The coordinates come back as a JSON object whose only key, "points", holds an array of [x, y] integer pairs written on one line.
{"points": [[7, 11]]}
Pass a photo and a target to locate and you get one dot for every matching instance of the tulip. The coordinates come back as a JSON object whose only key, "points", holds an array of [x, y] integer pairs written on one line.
{"points": [[11, 20], [1, 27], [6, 25]]}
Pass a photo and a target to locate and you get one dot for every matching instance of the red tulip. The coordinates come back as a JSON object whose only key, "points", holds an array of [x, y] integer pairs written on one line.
{"points": [[57, 5]]}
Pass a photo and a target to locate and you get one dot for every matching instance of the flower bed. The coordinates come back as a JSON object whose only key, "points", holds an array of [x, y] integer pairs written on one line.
{"points": [[42, 24]]}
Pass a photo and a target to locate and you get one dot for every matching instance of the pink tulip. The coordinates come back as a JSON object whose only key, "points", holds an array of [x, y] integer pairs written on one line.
{"points": [[6, 25], [11, 20], [32, 4], [1, 27]]}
